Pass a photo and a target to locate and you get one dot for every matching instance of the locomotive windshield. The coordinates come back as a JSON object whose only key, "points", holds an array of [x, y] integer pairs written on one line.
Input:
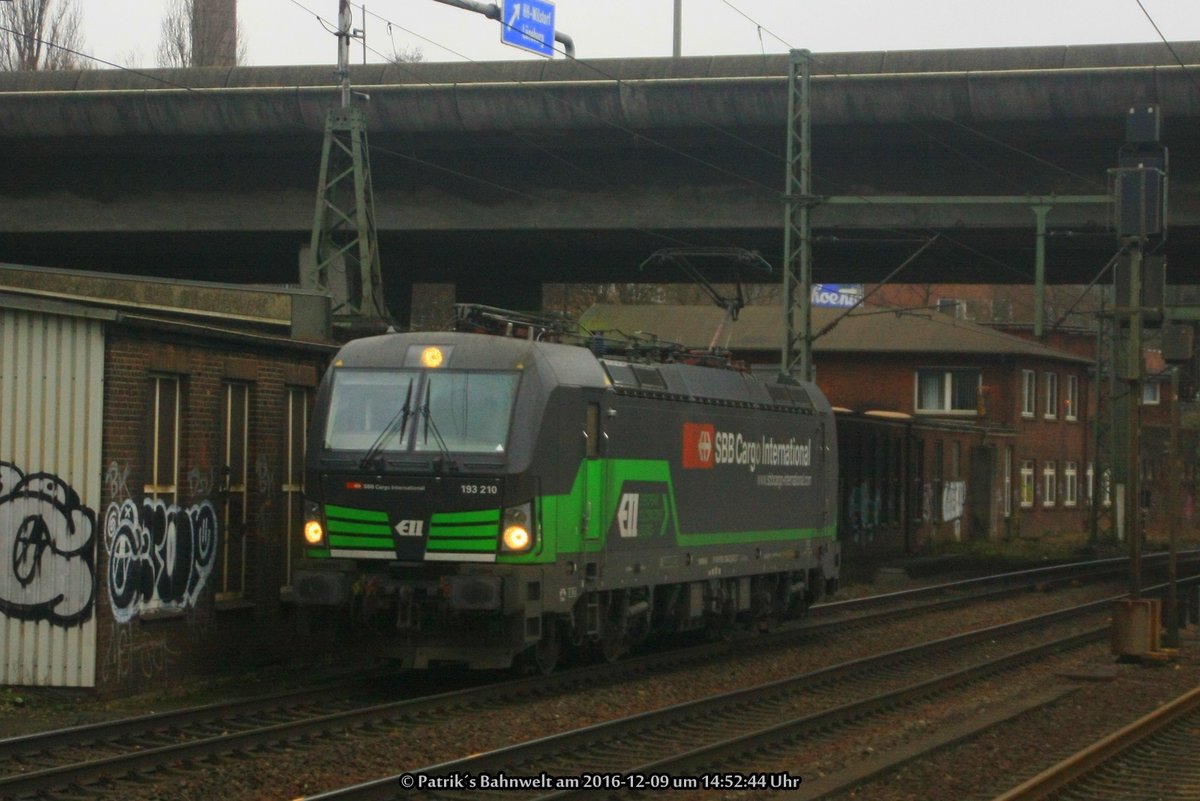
{"points": [[395, 410], [470, 411]]}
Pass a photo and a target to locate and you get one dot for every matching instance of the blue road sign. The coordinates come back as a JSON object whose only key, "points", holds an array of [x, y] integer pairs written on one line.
{"points": [[529, 25]]}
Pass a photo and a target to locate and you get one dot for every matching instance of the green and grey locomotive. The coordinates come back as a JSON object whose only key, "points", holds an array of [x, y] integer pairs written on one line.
{"points": [[506, 498]]}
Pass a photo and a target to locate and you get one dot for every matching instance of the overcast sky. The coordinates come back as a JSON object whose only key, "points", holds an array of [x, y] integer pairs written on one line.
{"points": [[284, 32]]}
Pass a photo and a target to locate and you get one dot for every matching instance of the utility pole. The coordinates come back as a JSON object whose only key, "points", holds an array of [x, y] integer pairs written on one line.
{"points": [[677, 40], [1140, 194], [1176, 465], [797, 223], [344, 247]]}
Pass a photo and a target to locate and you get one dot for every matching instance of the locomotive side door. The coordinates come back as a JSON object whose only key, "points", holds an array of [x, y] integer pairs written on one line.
{"points": [[592, 523], [594, 514]]}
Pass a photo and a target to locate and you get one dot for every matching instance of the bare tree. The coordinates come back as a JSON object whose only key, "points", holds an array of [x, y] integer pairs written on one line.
{"points": [[41, 35], [177, 45], [407, 55]]}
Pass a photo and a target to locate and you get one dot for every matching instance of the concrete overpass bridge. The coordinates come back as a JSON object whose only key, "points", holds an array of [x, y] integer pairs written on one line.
{"points": [[501, 176]]}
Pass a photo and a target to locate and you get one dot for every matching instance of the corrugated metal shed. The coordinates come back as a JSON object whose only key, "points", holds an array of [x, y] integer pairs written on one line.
{"points": [[51, 396], [760, 328]]}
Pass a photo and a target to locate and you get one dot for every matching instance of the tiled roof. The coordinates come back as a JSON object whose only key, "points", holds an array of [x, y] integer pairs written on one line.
{"points": [[760, 328]]}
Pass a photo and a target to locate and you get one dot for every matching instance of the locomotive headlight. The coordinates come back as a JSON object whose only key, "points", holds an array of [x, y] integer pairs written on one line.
{"points": [[432, 357], [517, 536], [314, 529]]}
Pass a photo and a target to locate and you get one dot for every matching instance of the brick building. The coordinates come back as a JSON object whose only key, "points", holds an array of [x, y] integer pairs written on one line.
{"points": [[996, 439], [150, 474]]}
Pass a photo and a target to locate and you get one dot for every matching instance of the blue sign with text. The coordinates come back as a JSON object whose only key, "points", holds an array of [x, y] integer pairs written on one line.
{"points": [[836, 295], [529, 25]]}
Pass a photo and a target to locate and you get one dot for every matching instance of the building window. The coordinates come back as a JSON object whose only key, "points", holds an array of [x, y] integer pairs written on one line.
{"points": [[1049, 484], [1028, 392], [1008, 465], [293, 474], [1071, 484], [1072, 399], [952, 306], [163, 431], [1001, 310], [1051, 381], [1151, 393], [235, 447], [948, 390], [1026, 483]]}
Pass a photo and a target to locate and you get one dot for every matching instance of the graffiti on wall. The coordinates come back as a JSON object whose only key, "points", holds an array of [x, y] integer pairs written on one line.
{"points": [[46, 562], [116, 478], [132, 654], [159, 555]]}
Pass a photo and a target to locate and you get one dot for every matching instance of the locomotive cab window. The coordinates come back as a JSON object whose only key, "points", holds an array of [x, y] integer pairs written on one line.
{"points": [[469, 412], [364, 403], [393, 410]]}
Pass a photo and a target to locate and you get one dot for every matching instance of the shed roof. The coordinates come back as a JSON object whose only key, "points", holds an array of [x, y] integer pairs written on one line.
{"points": [[760, 328], [274, 316]]}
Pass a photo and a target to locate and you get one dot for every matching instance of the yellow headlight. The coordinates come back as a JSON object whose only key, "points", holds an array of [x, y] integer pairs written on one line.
{"points": [[313, 532], [432, 357], [516, 538]]}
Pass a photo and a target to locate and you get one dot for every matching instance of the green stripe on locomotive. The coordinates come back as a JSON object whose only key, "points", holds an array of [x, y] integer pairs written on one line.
{"points": [[349, 513], [561, 515], [361, 543], [561, 520]]}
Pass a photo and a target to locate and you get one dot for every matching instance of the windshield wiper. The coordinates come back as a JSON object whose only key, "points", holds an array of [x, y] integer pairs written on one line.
{"points": [[447, 459], [400, 417]]}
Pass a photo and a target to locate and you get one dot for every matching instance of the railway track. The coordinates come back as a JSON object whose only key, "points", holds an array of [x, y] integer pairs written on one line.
{"points": [[83, 756], [696, 745], [1154, 757]]}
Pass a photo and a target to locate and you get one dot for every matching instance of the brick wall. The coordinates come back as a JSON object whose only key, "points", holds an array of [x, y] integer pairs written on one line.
{"points": [[865, 382], [166, 604]]}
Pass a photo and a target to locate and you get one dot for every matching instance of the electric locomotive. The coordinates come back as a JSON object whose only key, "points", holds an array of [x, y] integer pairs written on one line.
{"points": [[510, 492]]}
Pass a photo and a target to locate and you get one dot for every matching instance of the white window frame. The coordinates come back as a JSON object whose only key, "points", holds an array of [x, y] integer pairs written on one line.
{"points": [[1049, 484], [1151, 393], [1028, 393], [1051, 382], [947, 390], [1071, 483], [159, 485], [1027, 484], [1072, 412]]}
